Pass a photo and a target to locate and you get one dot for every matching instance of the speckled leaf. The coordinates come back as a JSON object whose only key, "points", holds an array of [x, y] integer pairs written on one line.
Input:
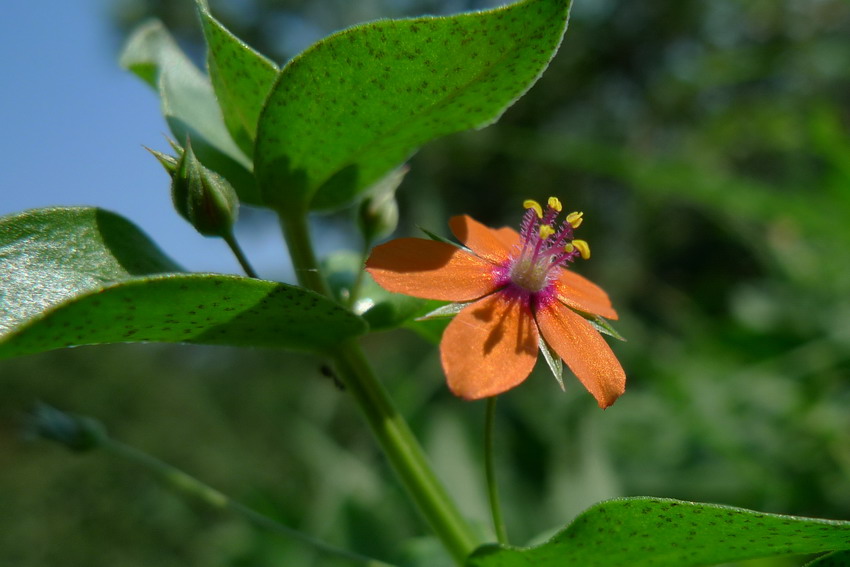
{"points": [[189, 105], [358, 103], [76, 276], [655, 532], [241, 79]]}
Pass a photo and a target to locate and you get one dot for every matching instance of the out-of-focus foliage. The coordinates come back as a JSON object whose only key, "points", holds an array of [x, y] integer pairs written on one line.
{"points": [[708, 144]]}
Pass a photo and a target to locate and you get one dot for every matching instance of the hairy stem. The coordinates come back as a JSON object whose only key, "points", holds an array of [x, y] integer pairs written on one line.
{"points": [[230, 239], [191, 486], [389, 427], [490, 472]]}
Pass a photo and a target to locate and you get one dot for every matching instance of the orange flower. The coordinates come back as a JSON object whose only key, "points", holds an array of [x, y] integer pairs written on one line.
{"points": [[513, 292]]}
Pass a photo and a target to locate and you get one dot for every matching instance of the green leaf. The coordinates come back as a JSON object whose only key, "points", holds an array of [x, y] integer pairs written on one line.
{"points": [[76, 276], [837, 559], [655, 532], [189, 105], [359, 103], [241, 79]]}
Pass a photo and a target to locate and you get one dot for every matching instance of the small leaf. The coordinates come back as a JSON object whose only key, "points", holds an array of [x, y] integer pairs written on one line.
{"points": [[81, 276], [189, 105], [656, 532], [357, 104], [241, 79]]}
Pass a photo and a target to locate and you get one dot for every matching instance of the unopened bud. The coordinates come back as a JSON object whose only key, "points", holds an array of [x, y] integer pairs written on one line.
{"points": [[200, 195], [378, 213], [75, 432]]}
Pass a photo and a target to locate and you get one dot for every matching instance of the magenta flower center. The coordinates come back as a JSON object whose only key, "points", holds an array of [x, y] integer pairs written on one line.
{"points": [[545, 246]]}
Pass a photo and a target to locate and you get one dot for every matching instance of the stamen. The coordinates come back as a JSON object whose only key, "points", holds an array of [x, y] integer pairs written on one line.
{"points": [[583, 247], [547, 245], [532, 204]]}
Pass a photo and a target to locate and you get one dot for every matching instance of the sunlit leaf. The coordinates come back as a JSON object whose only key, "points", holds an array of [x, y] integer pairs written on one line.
{"points": [[655, 532], [78, 276], [357, 104], [241, 79], [189, 105]]}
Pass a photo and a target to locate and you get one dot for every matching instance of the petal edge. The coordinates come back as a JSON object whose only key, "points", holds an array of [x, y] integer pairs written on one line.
{"points": [[584, 350]]}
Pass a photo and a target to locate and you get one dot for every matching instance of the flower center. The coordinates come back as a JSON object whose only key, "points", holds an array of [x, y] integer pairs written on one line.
{"points": [[545, 245]]}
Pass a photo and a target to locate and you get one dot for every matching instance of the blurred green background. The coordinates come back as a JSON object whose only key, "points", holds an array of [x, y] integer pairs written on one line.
{"points": [[708, 144]]}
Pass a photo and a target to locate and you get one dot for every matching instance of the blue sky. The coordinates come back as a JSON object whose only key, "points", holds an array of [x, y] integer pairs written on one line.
{"points": [[74, 124]]}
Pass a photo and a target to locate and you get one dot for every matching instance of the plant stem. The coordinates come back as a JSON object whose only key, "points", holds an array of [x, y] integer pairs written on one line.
{"points": [[191, 486], [354, 292], [230, 239], [389, 427], [490, 472]]}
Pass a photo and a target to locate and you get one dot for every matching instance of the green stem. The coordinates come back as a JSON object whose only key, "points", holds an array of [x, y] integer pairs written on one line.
{"points": [[389, 427], [354, 292], [230, 239], [191, 486], [490, 472]]}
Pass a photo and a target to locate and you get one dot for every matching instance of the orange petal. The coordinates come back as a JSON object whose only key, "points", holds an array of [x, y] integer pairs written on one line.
{"points": [[584, 350], [430, 269], [584, 295], [508, 236], [489, 347], [484, 241]]}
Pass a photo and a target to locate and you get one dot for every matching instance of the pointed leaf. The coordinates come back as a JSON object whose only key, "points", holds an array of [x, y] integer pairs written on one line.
{"points": [[656, 532], [358, 103], [189, 105], [75, 276], [241, 79]]}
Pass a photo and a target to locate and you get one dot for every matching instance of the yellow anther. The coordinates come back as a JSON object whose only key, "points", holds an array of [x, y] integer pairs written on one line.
{"points": [[546, 231], [583, 248], [554, 203], [569, 248], [532, 204], [575, 219]]}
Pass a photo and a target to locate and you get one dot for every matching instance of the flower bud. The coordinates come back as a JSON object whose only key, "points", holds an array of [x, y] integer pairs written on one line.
{"points": [[377, 215], [75, 432], [200, 195]]}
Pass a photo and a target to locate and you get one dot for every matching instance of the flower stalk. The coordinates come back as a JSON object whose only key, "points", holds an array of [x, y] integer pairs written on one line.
{"points": [[490, 471], [389, 427]]}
